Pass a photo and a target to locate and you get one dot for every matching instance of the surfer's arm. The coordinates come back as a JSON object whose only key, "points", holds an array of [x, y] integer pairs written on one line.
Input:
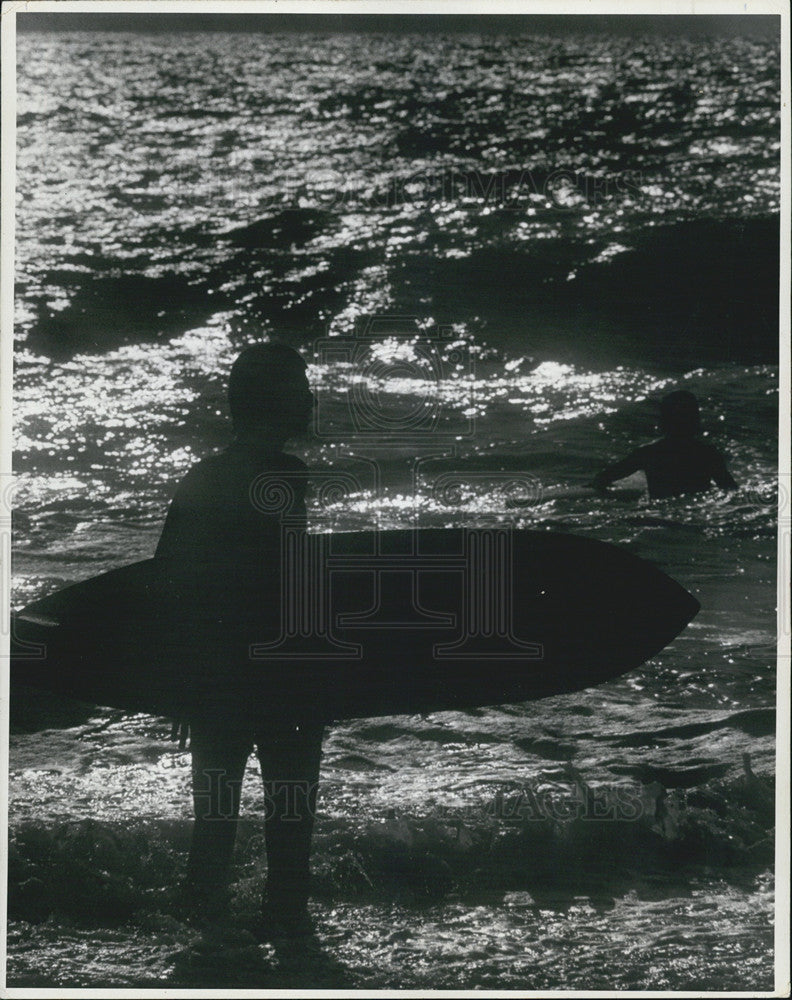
{"points": [[171, 540], [185, 524], [626, 467], [720, 473]]}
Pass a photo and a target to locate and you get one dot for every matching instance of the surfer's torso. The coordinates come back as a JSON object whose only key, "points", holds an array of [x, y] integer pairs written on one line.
{"points": [[674, 466], [222, 535]]}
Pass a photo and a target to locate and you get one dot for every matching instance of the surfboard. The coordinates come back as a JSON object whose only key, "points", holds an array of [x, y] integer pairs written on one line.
{"points": [[359, 624]]}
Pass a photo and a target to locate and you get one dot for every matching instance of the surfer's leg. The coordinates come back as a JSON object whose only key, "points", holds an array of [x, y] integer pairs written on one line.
{"points": [[290, 757], [218, 766]]}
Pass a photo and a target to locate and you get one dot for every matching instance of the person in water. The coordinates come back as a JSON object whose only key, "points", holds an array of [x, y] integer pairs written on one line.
{"points": [[680, 462], [219, 551]]}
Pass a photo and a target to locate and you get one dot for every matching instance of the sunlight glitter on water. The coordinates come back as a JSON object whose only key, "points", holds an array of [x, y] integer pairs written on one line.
{"points": [[291, 186]]}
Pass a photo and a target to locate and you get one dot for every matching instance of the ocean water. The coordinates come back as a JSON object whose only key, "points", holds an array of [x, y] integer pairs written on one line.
{"points": [[568, 228]]}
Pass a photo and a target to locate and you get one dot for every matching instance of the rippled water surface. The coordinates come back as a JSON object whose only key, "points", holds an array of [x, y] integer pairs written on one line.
{"points": [[574, 226]]}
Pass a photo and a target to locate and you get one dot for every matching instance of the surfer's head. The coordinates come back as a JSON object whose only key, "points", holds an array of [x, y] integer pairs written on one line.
{"points": [[268, 392], [679, 414]]}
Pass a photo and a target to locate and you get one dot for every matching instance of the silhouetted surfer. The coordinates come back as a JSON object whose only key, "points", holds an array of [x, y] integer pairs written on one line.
{"points": [[679, 462], [218, 550]]}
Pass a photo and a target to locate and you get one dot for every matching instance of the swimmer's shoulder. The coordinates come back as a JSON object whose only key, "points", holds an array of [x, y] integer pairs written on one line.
{"points": [[709, 453]]}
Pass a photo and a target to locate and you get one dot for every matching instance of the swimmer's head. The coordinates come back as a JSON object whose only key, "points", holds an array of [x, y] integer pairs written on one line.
{"points": [[268, 392], [679, 414]]}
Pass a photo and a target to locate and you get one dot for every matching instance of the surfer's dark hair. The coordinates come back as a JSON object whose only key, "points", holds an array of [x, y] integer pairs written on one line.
{"points": [[679, 414], [262, 380]]}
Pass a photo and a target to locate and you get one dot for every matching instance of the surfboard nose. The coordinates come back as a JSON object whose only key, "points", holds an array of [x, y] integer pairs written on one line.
{"points": [[657, 613]]}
